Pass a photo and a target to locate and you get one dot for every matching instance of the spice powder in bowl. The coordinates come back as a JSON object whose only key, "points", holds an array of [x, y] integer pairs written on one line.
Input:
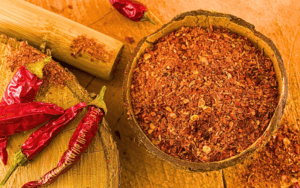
{"points": [[203, 95]]}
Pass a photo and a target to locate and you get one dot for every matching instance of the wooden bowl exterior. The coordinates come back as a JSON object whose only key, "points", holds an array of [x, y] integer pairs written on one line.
{"points": [[205, 19]]}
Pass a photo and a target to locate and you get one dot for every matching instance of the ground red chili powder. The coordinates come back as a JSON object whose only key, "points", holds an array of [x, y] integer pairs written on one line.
{"points": [[97, 51], [277, 162], [53, 73], [203, 95]]}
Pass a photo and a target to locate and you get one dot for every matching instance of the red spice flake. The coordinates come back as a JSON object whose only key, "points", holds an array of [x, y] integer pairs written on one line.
{"points": [[130, 40], [67, 6], [277, 162], [249, 81], [53, 73], [218, 86], [97, 51]]}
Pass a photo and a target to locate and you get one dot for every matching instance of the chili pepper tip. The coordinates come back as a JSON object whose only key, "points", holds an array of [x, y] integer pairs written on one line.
{"points": [[102, 92], [37, 68], [146, 17], [19, 160], [99, 101]]}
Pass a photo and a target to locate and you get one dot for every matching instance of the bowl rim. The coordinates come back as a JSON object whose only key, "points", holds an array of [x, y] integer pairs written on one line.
{"points": [[217, 165]]}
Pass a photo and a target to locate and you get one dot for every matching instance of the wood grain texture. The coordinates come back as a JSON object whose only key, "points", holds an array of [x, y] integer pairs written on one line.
{"points": [[102, 152], [22, 20], [279, 20]]}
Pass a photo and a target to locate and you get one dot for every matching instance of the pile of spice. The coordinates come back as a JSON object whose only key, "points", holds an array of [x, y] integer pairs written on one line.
{"points": [[97, 51], [53, 73], [278, 161], [203, 95]]}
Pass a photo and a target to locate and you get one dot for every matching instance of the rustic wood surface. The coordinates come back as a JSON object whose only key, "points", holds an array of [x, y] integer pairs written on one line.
{"points": [[105, 170], [41, 25], [279, 20]]}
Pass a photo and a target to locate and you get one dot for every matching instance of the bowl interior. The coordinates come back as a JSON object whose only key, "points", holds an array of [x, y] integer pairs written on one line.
{"points": [[236, 25]]}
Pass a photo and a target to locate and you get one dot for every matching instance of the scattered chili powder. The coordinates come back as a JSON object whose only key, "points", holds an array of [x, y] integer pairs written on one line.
{"points": [[130, 40], [203, 95], [53, 73], [97, 51], [277, 161]]}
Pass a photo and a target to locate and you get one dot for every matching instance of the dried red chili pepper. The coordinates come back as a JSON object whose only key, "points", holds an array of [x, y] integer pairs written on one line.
{"points": [[16, 118], [25, 84], [78, 144], [22, 88], [132, 10], [40, 139], [3, 152]]}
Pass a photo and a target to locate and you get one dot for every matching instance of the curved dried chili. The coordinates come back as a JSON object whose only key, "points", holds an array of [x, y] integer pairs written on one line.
{"points": [[40, 139], [133, 10], [22, 88], [25, 84], [16, 118], [78, 144]]}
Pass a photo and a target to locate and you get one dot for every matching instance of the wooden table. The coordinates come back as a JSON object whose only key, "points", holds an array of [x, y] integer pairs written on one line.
{"points": [[279, 20]]}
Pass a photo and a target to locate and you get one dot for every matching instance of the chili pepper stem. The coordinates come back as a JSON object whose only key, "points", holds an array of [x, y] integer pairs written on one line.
{"points": [[37, 68], [19, 160], [99, 101], [146, 17]]}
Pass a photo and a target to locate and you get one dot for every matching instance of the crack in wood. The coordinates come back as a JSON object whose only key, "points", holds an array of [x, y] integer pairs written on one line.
{"points": [[101, 18], [224, 180], [90, 82], [119, 119]]}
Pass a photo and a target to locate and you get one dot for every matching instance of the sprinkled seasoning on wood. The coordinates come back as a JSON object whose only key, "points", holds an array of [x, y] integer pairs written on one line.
{"points": [[97, 51], [277, 161], [130, 40], [203, 95], [53, 73]]}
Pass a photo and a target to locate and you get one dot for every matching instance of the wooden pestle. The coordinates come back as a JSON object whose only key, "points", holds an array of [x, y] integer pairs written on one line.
{"points": [[23, 20]]}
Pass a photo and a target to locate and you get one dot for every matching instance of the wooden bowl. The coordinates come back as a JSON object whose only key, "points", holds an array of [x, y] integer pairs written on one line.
{"points": [[236, 25]]}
